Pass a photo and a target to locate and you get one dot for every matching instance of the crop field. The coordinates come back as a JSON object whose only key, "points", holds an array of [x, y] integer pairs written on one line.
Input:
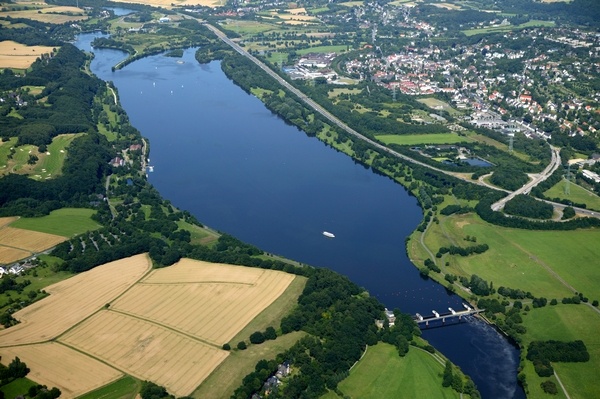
{"points": [[551, 264], [576, 194], [17, 55], [212, 302], [173, 339], [31, 241], [56, 365], [146, 350], [168, 3], [382, 373], [50, 15], [65, 222], [10, 255], [567, 323], [73, 300], [415, 139]]}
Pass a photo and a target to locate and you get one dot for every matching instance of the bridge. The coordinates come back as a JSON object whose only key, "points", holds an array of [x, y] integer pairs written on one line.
{"points": [[424, 321]]}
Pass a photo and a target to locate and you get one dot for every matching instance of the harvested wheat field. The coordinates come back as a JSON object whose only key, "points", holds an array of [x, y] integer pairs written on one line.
{"points": [[28, 240], [73, 300], [7, 220], [17, 55], [179, 3], [212, 302], [10, 255], [50, 15], [146, 350], [56, 365]]}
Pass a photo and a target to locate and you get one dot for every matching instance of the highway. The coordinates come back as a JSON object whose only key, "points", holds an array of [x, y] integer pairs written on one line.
{"points": [[552, 166], [546, 173]]}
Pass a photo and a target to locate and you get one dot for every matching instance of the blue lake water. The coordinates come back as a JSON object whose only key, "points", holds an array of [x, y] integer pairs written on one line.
{"points": [[220, 154]]}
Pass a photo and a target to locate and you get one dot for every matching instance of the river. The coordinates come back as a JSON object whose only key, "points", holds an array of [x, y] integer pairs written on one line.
{"points": [[220, 154]]}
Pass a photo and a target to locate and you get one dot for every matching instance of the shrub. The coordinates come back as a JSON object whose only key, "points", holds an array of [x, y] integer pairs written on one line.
{"points": [[549, 387]]}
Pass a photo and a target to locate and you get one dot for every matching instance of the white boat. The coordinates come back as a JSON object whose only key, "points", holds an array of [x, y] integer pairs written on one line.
{"points": [[328, 234]]}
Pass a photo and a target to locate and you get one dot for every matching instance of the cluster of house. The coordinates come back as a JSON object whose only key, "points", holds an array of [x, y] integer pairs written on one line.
{"points": [[273, 382], [17, 268], [121, 161]]}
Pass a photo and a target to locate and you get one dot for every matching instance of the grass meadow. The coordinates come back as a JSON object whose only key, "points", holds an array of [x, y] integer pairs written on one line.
{"points": [[546, 263], [229, 374], [124, 388], [496, 29], [381, 373], [16, 388], [65, 222], [414, 139], [567, 323], [576, 194]]}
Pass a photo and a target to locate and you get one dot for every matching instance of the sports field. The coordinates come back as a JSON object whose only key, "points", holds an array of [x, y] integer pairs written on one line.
{"points": [[416, 139], [382, 373], [20, 56]]}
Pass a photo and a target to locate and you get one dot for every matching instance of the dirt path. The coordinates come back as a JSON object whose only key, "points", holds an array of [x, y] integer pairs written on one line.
{"points": [[562, 386]]}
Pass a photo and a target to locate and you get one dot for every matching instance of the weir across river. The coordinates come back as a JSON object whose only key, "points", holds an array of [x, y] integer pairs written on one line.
{"points": [[423, 322]]}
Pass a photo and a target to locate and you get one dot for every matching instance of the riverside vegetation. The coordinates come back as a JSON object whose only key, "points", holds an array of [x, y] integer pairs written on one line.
{"points": [[513, 309]]}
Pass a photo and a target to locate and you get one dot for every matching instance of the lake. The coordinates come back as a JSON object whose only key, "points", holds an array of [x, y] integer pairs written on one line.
{"points": [[220, 154]]}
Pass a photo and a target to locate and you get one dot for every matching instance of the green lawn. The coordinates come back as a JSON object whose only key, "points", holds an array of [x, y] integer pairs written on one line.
{"points": [[4, 151], [567, 323], [434, 103], [414, 139], [65, 222], [495, 29], [323, 49], [124, 388], [381, 373], [17, 387], [522, 259], [51, 165], [576, 194], [228, 376]]}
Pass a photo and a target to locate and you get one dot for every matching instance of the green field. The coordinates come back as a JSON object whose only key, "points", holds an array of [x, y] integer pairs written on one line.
{"points": [[381, 373], [567, 323], [495, 29], [51, 165], [229, 374], [534, 261], [65, 222], [324, 49], [415, 139], [17, 388], [577, 194], [124, 388], [4, 151], [435, 104]]}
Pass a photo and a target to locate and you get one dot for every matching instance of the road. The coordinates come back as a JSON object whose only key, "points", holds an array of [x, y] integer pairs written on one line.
{"points": [[554, 164], [546, 173]]}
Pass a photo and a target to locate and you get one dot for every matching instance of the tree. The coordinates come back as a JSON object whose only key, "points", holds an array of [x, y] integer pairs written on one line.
{"points": [[257, 337], [241, 345]]}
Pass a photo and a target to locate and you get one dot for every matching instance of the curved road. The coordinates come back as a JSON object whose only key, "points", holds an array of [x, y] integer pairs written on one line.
{"points": [[554, 164]]}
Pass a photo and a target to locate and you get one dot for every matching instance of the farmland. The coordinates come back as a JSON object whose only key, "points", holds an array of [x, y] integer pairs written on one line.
{"points": [[20, 56], [168, 3], [50, 15], [16, 243], [230, 296], [143, 326], [74, 374], [52, 316]]}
